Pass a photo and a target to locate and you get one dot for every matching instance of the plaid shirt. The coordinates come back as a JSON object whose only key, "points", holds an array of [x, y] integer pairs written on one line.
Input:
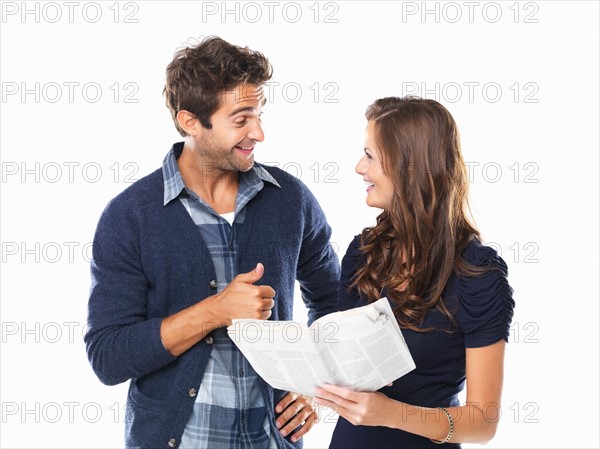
{"points": [[229, 411]]}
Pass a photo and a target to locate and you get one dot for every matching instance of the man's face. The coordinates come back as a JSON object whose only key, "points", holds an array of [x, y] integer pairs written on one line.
{"points": [[236, 127]]}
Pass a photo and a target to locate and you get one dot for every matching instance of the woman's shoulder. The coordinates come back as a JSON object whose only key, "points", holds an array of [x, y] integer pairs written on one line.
{"points": [[479, 255], [491, 271], [352, 256], [354, 246], [485, 299], [349, 298]]}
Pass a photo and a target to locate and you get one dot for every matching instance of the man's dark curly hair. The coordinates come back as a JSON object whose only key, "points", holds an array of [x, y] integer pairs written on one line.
{"points": [[198, 75]]}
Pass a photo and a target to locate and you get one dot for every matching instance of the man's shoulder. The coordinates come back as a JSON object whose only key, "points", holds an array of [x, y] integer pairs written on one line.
{"points": [[294, 197], [145, 190], [288, 183]]}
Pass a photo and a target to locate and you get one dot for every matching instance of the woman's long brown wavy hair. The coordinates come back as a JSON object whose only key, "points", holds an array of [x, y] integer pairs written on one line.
{"points": [[417, 244]]}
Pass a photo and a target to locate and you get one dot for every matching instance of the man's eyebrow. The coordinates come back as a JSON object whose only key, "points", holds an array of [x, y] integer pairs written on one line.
{"points": [[246, 108]]}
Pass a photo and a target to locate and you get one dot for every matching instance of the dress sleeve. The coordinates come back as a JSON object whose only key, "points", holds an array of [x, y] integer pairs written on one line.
{"points": [[485, 302], [347, 299]]}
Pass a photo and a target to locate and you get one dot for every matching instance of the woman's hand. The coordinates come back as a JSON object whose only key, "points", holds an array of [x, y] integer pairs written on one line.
{"points": [[360, 408]]}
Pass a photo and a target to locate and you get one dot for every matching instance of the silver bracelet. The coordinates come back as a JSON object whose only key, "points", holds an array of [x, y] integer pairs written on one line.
{"points": [[450, 429]]}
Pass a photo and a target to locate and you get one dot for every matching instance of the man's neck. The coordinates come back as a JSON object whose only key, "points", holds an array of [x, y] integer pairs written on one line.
{"points": [[218, 188]]}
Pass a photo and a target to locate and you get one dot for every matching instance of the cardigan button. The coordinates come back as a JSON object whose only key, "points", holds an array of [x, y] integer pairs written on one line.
{"points": [[192, 392], [172, 442], [208, 340], [213, 285]]}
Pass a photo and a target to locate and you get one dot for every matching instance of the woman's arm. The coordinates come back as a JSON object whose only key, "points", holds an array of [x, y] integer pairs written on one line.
{"points": [[475, 422]]}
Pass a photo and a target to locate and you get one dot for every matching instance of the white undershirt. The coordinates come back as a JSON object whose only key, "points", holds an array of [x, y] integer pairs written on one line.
{"points": [[229, 217]]}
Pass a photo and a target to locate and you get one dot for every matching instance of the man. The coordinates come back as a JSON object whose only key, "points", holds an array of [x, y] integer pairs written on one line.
{"points": [[181, 253]]}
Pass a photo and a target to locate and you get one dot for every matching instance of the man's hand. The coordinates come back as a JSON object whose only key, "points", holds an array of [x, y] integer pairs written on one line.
{"points": [[241, 299], [296, 411]]}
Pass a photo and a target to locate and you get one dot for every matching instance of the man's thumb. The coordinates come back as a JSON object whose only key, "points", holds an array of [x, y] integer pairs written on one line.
{"points": [[252, 276]]}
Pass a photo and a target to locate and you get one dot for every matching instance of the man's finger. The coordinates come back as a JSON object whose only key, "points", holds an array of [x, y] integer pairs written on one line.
{"points": [[252, 276], [268, 304], [302, 418], [265, 291], [287, 400], [305, 427]]}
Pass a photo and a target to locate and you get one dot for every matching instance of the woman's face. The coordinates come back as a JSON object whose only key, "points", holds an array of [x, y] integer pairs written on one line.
{"points": [[380, 189]]}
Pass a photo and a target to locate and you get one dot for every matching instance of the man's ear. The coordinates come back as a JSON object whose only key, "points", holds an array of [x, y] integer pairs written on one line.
{"points": [[189, 123]]}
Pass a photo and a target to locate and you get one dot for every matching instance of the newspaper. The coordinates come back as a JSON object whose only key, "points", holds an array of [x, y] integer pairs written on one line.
{"points": [[361, 348]]}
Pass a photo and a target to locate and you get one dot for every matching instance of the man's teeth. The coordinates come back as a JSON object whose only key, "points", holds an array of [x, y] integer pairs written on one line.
{"points": [[244, 148]]}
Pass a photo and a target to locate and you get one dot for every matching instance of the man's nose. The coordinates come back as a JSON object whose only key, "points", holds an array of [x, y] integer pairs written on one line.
{"points": [[257, 133]]}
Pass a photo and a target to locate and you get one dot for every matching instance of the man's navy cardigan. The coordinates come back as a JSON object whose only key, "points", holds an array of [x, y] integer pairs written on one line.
{"points": [[150, 261]]}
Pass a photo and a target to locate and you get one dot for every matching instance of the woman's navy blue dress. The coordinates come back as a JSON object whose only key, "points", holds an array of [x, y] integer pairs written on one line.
{"points": [[482, 307]]}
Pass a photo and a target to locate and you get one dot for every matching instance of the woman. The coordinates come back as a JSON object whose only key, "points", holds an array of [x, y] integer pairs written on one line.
{"points": [[449, 293]]}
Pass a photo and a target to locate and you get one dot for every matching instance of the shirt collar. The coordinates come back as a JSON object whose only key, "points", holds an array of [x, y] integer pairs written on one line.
{"points": [[174, 185]]}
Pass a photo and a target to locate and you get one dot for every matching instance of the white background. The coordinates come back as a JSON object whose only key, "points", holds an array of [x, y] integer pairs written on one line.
{"points": [[532, 149]]}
